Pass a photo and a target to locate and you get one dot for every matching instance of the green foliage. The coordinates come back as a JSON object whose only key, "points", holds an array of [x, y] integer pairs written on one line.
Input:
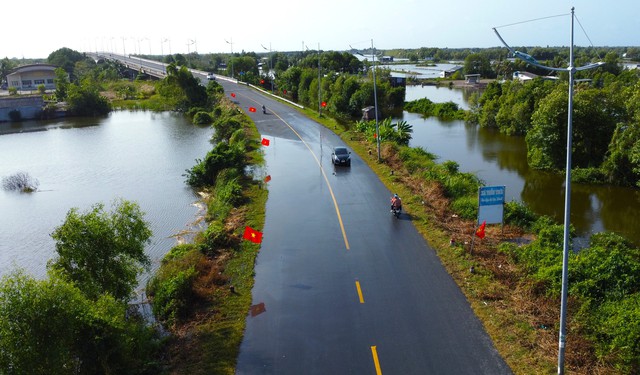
{"points": [[608, 269], [398, 133], [226, 125], [446, 111], [51, 327], [518, 214], [85, 100], [102, 252], [616, 329], [182, 90], [588, 176], [466, 207], [65, 58], [543, 258], [171, 288], [202, 118], [222, 156], [62, 84]]}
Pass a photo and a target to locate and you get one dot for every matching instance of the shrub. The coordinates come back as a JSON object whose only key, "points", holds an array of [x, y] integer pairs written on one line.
{"points": [[466, 207], [617, 331], [518, 214], [20, 181], [171, 289], [202, 118]]}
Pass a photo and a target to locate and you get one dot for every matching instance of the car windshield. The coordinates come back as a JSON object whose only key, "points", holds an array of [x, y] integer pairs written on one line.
{"points": [[341, 151]]}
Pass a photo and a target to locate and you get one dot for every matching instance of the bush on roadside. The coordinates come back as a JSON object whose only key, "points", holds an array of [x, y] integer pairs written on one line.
{"points": [[171, 289], [202, 118]]}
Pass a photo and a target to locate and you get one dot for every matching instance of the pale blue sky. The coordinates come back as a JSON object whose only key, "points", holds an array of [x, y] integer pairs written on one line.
{"points": [[180, 26]]}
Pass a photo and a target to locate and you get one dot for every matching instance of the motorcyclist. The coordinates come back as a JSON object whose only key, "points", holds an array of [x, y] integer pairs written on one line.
{"points": [[396, 203], [264, 109]]}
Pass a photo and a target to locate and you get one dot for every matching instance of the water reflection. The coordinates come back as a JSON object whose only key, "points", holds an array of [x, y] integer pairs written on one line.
{"points": [[498, 159]]}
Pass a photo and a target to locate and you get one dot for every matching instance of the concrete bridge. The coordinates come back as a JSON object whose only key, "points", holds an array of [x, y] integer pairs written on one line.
{"points": [[153, 68]]}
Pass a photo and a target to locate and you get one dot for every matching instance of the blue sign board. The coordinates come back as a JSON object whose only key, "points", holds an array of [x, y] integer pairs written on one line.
{"points": [[491, 195], [491, 204]]}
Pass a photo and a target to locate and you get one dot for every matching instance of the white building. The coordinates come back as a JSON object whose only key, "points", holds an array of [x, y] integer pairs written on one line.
{"points": [[29, 77]]}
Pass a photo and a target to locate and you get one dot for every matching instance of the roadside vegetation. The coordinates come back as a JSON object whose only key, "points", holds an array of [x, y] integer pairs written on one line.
{"points": [[78, 319]]}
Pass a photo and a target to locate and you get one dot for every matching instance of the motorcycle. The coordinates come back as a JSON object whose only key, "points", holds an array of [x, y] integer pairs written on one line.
{"points": [[396, 211], [264, 110]]}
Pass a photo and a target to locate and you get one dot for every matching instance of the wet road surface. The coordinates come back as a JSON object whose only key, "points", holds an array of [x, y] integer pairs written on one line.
{"points": [[346, 287]]}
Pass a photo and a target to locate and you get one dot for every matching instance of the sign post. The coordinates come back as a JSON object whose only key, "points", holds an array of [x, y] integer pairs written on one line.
{"points": [[490, 207]]}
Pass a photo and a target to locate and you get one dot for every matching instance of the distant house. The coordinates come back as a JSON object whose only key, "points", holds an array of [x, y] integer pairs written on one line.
{"points": [[472, 78], [523, 76], [29, 77], [448, 73], [526, 76]]}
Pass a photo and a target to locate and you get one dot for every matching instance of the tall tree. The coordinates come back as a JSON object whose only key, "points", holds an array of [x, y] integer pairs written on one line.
{"points": [[103, 252]]}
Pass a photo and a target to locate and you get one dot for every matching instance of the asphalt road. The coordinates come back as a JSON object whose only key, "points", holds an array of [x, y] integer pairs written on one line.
{"points": [[346, 287]]}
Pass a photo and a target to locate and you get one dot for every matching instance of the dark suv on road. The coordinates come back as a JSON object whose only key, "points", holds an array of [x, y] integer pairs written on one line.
{"points": [[341, 156]]}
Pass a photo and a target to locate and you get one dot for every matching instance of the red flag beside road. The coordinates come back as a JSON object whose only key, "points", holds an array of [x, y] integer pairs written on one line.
{"points": [[265, 142], [252, 235], [252, 109], [480, 231], [233, 94], [268, 178]]}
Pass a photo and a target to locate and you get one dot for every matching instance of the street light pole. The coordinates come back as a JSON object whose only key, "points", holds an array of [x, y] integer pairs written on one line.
{"points": [[319, 85], [562, 338], [375, 100], [231, 59], [270, 78]]}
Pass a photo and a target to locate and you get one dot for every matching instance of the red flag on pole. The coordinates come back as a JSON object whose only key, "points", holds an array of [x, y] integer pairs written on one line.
{"points": [[233, 94], [268, 178], [265, 142], [324, 104], [480, 231], [252, 235], [252, 109]]}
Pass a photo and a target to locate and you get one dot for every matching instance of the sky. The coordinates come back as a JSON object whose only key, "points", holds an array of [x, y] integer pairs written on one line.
{"points": [[162, 27]]}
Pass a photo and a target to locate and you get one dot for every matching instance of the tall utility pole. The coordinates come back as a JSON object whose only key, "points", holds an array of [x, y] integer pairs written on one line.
{"points": [[270, 78], [319, 85], [231, 59], [375, 100], [562, 337]]}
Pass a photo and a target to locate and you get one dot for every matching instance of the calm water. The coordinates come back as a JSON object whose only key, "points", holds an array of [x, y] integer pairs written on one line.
{"points": [[501, 160], [138, 156]]}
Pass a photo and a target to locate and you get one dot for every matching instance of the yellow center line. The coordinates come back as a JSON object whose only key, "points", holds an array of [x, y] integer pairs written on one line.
{"points": [[326, 179], [359, 291], [374, 353]]}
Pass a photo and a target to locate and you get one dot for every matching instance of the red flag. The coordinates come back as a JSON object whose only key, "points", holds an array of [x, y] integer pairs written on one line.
{"points": [[252, 235], [480, 231], [268, 178], [252, 109], [265, 142], [324, 104], [233, 94], [285, 92], [375, 135]]}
